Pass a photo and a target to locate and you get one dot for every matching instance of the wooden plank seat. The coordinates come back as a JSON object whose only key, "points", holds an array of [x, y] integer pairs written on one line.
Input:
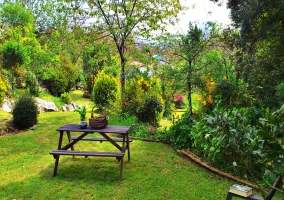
{"points": [[101, 139], [57, 153], [118, 155]]}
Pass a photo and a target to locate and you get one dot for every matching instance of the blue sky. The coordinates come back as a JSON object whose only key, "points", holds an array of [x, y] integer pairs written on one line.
{"points": [[200, 11]]}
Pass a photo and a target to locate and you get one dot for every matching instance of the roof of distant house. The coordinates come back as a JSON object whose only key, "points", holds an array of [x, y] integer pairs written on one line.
{"points": [[158, 57]]}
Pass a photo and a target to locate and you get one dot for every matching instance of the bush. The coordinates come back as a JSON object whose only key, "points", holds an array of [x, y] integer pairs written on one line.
{"points": [[142, 130], [3, 90], [25, 112], [32, 83], [227, 139], [280, 92], [61, 77], [66, 97], [225, 89], [137, 90], [150, 111], [179, 133], [105, 90]]}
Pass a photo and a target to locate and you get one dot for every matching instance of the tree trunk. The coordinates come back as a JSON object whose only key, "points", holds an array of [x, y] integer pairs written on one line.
{"points": [[122, 82], [122, 76], [189, 87], [189, 98]]}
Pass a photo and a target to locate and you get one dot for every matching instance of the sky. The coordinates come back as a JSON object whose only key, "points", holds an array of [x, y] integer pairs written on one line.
{"points": [[200, 11]]}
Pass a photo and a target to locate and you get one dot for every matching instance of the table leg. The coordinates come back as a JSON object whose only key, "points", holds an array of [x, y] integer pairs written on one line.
{"points": [[128, 146], [69, 139], [56, 165], [60, 140], [121, 168], [57, 157]]}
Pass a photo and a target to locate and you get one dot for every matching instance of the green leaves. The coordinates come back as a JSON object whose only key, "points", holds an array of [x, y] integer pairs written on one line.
{"points": [[105, 90], [16, 15], [13, 54], [82, 110]]}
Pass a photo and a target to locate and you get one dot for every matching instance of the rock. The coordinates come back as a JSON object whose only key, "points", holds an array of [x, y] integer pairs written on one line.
{"points": [[7, 105], [45, 106], [80, 86], [68, 107]]}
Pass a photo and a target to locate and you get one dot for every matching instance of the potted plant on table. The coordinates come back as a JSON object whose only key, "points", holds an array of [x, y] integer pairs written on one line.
{"points": [[82, 110]]}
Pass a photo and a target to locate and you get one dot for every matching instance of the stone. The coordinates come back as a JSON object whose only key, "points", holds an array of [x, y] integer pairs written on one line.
{"points": [[45, 106], [7, 105], [69, 107]]}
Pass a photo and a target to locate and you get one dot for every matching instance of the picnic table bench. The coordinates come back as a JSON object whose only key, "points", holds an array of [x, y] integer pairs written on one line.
{"points": [[72, 140]]}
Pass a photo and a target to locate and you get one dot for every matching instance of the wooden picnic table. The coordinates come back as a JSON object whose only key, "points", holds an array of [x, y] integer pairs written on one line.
{"points": [[121, 143]]}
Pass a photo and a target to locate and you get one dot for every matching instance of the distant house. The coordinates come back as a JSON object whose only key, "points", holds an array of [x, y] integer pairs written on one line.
{"points": [[149, 70], [161, 60]]}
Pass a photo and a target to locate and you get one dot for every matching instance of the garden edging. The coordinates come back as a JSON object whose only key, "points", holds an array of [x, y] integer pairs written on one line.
{"points": [[203, 163]]}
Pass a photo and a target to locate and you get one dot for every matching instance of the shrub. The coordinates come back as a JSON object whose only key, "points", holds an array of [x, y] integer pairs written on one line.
{"points": [[271, 146], [179, 133], [66, 97], [25, 112], [105, 90], [178, 100], [57, 83], [142, 130], [230, 141], [150, 111], [61, 77], [32, 83], [138, 89], [280, 92], [3, 90], [225, 89]]}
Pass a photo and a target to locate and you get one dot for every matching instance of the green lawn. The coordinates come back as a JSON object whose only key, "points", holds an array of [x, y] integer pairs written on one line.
{"points": [[155, 171]]}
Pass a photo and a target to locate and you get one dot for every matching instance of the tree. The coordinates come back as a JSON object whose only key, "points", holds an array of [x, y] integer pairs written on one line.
{"points": [[261, 41], [47, 14], [16, 15], [191, 46], [120, 19], [94, 61]]}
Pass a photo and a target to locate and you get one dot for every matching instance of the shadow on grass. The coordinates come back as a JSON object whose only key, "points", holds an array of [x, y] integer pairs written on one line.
{"points": [[74, 174], [91, 169]]}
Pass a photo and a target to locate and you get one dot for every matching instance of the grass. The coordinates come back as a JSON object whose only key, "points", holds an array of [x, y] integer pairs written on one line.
{"points": [[155, 171]]}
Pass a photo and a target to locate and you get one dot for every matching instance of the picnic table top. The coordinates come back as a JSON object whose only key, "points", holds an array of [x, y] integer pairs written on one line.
{"points": [[108, 129]]}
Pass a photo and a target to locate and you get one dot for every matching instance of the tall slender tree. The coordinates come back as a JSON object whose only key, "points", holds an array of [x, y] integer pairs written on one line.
{"points": [[120, 19], [191, 46]]}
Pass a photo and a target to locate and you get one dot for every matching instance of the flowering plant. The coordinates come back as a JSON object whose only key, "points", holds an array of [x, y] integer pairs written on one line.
{"points": [[82, 110], [179, 100]]}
